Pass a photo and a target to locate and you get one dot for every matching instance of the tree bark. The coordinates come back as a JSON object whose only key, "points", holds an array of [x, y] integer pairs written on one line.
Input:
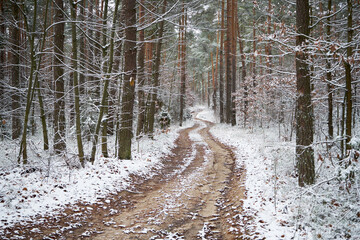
{"points": [[126, 118], [74, 63], [156, 74], [243, 73], [91, 51], [228, 60], [254, 83], [208, 90], [40, 98], [2, 58], [15, 73], [104, 148], [342, 126], [82, 49], [96, 61], [115, 91], [31, 85], [104, 98], [213, 75], [329, 76], [304, 111], [348, 79], [59, 105], [141, 73], [182, 64], [221, 64], [268, 45], [233, 60]]}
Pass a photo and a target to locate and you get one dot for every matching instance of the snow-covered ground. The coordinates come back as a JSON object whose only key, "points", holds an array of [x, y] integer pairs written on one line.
{"points": [[255, 150], [205, 114], [328, 210], [49, 183], [281, 209]]}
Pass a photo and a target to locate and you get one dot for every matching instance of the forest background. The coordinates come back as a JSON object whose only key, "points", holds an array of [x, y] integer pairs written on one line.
{"points": [[88, 78]]}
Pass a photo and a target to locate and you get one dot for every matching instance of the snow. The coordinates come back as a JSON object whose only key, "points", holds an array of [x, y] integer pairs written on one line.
{"points": [[204, 113], [51, 185], [252, 150], [279, 209]]}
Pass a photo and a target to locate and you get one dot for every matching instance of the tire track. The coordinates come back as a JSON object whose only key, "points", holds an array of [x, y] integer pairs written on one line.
{"points": [[196, 204], [197, 195]]}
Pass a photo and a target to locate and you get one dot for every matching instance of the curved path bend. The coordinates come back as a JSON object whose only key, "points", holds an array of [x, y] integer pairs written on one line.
{"points": [[197, 195], [199, 202]]}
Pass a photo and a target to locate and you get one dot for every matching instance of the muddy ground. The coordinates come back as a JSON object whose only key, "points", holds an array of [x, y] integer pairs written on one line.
{"points": [[197, 195]]}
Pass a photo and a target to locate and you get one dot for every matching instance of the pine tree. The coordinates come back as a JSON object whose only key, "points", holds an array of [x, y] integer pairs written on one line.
{"points": [[15, 72], [182, 53], [329, 75], [59, 105], [347, 63], [221, 64], [156, 75], [141, 72], [304, 111], [76, 83], [228, 60], [128, 97]]}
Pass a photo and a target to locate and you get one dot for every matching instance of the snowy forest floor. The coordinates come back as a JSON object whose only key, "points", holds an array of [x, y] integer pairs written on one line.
{"points": [[202, 181]]}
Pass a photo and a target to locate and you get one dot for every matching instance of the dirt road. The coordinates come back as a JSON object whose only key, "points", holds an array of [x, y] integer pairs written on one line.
{"points": [[195, 202], [198, 195]]}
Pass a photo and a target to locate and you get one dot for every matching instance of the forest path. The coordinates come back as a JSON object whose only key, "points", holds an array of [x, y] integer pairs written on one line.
{"points": [[196, 202], [196, 195]]}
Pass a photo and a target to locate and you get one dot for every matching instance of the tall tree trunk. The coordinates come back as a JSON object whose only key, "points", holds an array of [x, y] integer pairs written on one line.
{"points": [[329, 76], [91, 51], [141, 73], [173, 79], [342, 126], [59, 105], [221, 62], [2, 56], [268, 45], [233, 61], [156, 74], [104, 98], [96, 61], [32, 121], [304, 111], [40, 98], [31, 85], [42, 117], [268, 60], [228, 59], [15, 73], [82, 49], [215, 76], [74, 64], [243, 72], [116, 82], [104, 148], [183, 63], [208, 90], [347, 63], [129, 80], [254, 83]]}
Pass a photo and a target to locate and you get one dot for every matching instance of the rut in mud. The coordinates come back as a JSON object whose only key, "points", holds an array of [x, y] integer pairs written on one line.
{"points": [[198, 195], [191, 204]]}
